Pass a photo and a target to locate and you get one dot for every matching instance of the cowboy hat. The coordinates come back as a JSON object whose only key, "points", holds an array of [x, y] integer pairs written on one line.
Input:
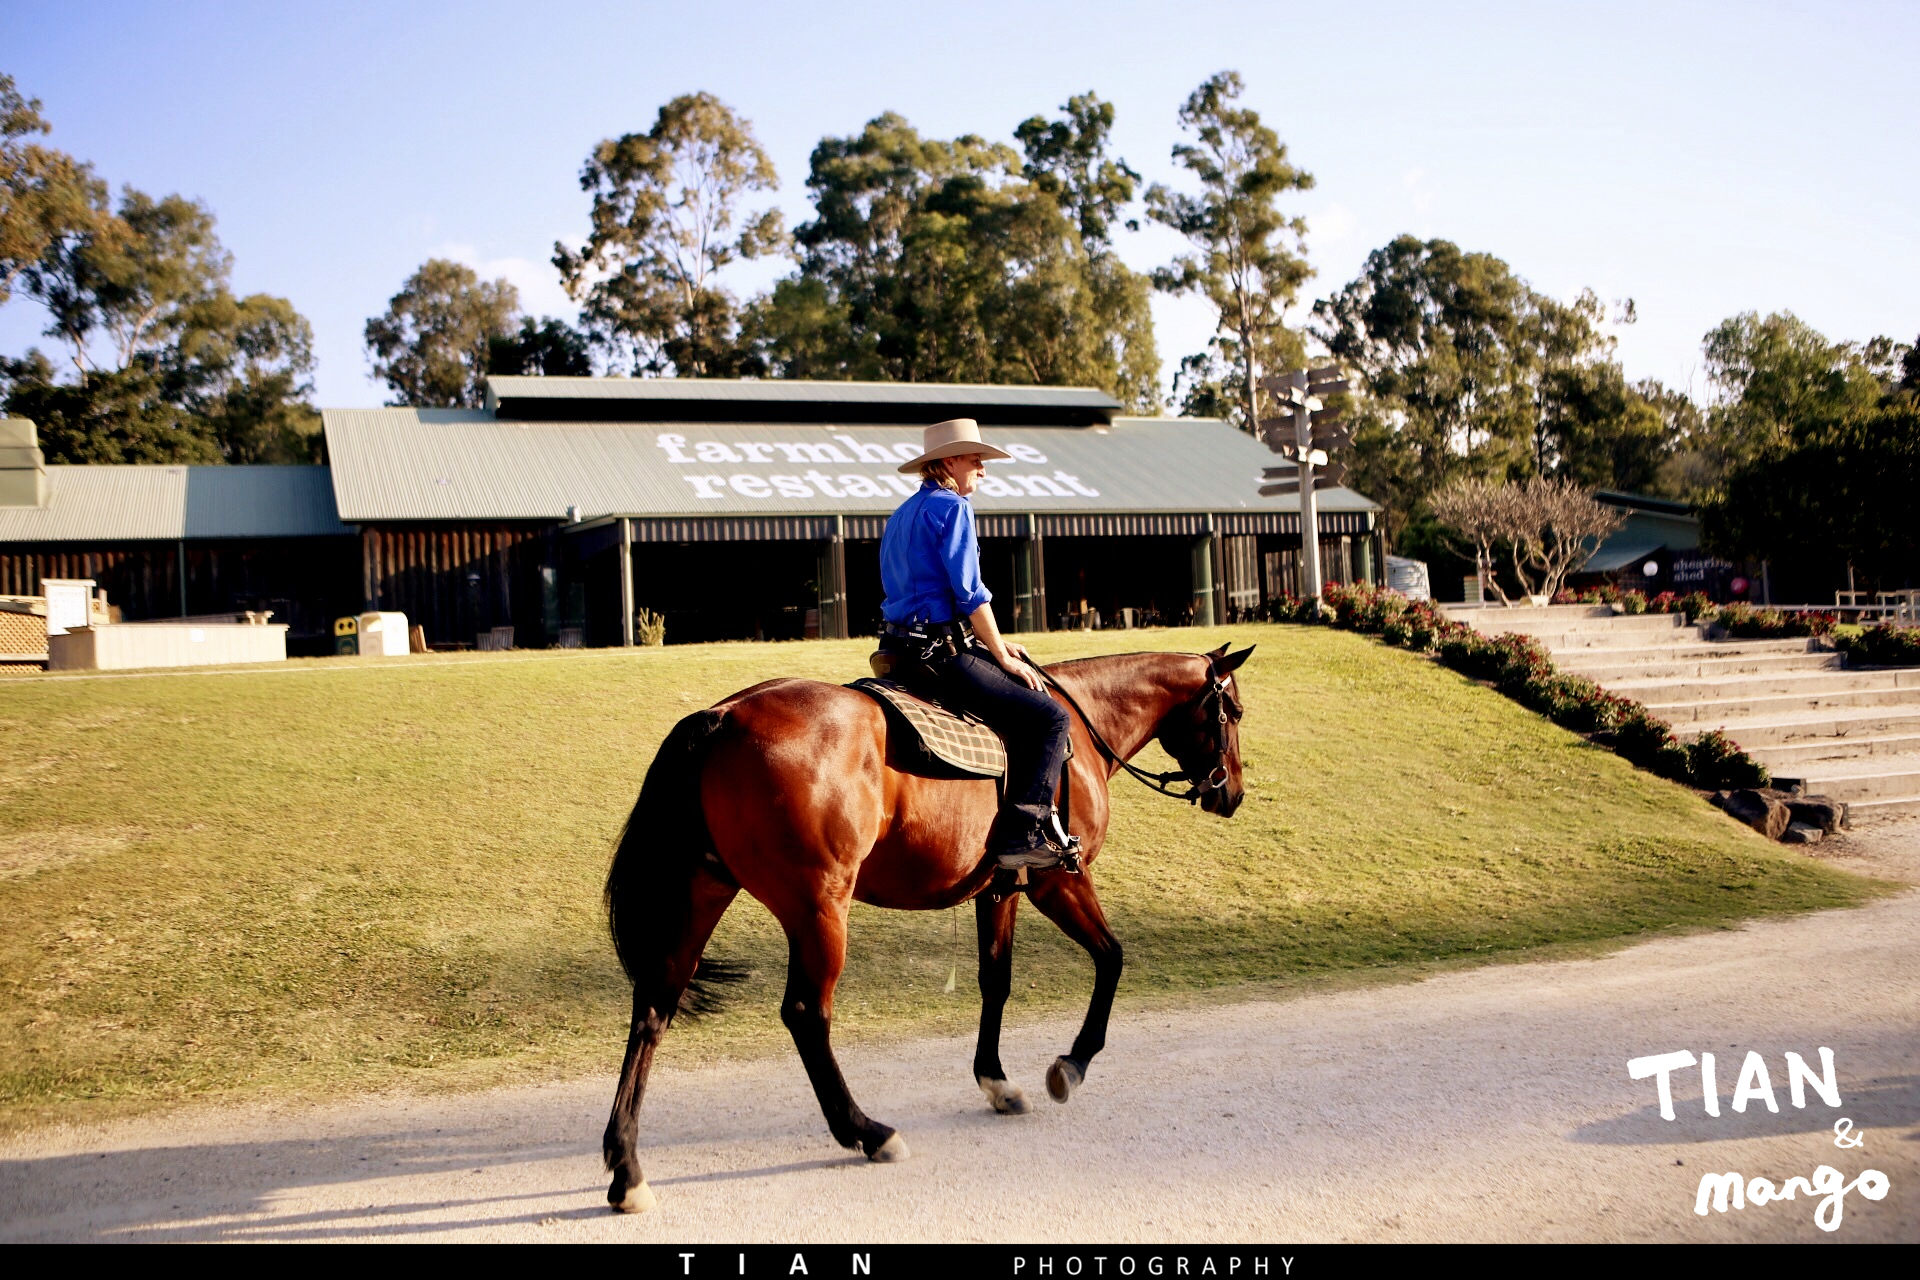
{"points": [[950, 439]]}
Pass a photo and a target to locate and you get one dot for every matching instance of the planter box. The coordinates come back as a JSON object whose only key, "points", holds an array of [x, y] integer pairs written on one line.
{"points": [[159, 644]]}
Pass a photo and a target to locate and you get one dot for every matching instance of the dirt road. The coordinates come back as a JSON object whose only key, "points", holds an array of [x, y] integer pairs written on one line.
{"points": [[1491, 1104]]}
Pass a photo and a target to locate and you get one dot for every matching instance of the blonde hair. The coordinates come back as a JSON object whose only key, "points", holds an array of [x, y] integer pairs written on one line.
{"points": [[935, 472]]}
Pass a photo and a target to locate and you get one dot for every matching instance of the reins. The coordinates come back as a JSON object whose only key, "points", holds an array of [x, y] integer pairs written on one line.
{"points": [[1196, 787]]}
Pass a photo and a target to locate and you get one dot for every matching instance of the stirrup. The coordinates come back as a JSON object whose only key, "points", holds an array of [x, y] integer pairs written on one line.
{"points": [[1066, 842]]}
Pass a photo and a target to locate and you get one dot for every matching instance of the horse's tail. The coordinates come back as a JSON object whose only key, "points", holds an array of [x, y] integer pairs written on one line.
{"points": [[649, 885]]}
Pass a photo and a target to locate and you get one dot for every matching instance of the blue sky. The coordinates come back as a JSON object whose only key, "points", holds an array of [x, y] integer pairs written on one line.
{"points": [[1703, 159]]}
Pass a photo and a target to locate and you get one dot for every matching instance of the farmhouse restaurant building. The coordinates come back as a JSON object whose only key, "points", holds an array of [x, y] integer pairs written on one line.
{"points": [[753, 509]]}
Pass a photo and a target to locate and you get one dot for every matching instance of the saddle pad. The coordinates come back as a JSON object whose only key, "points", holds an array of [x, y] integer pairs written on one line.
{"points": [[964, 743]]}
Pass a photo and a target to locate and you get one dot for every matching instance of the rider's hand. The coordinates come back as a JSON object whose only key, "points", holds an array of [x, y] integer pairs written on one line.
{"points": [[1020, 666]]}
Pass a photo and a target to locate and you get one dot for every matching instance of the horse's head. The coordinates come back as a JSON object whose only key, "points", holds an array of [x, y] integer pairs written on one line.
{"points": [[1203, 733]]}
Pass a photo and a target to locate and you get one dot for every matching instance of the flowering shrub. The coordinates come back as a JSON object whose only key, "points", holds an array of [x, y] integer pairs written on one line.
{"points": [[1884, 645], [1291, 608], [1747, 622], [1715, 760], [1361, 607], [1520, 667], [1648, 741]]}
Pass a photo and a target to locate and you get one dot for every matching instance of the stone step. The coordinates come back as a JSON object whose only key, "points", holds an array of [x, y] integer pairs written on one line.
{"points": [[1771, 684], [1685, 647], [1618, 641], [1468, 613], [1867, 811], [1707, 714], [1793, 757], [1520, 622], [1887, 778], [1604, 667], [1804, 728]]}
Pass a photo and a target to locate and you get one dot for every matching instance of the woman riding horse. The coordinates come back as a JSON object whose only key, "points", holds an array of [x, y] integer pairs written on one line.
{"points": [[940, 638]]}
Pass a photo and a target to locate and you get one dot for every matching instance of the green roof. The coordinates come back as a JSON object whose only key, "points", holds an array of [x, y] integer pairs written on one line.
{"points": [[141, 503], [409, 464]]}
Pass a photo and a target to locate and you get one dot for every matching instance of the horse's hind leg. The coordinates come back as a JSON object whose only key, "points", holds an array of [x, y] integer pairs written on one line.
{"points": [[995, 921], [816, 952], [1070, 902], [657, 987]]}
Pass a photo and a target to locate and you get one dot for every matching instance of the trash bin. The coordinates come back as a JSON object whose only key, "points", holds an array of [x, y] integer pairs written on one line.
{"points": [[346, 636], [384, 634]]}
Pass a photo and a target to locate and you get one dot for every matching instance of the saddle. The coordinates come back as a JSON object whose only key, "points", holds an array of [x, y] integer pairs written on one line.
{"points": [[934, 735]]}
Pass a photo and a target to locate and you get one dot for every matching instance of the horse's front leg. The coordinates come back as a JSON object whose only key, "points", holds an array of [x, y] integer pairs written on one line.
{"points": [[1070, 902], [995, 921]]}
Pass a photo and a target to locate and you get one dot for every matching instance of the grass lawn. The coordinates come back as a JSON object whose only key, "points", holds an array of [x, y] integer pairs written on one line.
{"points": [[354, 873]]}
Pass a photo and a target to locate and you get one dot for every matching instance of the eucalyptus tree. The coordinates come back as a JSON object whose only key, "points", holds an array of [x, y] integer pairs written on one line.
{"points": [[965, 260], [1248, 256], [1820, 443], [1438, 341], [1777, 376], [1069, 160], [48, 199], [431, 344], [167, 364], [668, 217]]}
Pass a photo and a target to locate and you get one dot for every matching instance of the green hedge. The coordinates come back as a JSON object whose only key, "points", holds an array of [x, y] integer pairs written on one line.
{"points": [[1521, 668]]}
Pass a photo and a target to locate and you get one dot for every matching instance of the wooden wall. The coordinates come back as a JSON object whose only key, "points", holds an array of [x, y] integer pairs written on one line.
{"points": [[460, 580], [307, 582]]}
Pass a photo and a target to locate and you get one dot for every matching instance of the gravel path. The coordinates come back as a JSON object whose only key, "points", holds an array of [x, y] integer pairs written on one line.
{"points": [[1491, 1104]]}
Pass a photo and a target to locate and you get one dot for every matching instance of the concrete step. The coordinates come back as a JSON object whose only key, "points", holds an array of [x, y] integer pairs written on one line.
{"points": [[1868, 811], [1805, 728], [1470, 613], [1605, 667], [1707, 714], [1887, 778], [1621, 641], [1524, 622], [1770, 684], [1793, 757]]}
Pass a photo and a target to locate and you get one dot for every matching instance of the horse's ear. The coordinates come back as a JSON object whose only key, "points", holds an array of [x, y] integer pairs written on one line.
{"points": [[1221, 652], [1232, 662]]}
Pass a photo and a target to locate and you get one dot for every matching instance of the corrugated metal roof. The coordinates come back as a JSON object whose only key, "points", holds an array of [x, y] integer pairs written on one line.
{"points": [[261, 502], [134, 504], [407, 464], [789, 391]]}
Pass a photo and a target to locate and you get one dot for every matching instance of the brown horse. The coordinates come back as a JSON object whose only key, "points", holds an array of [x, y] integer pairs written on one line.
{"points": [[786, 790]]}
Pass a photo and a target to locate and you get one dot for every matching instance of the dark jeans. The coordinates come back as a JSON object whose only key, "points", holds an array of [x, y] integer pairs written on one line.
{"points": [[1034, 725]]}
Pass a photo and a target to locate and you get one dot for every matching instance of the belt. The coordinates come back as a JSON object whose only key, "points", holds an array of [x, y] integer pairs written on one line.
{"points": [[930, 641], [959, 630]]}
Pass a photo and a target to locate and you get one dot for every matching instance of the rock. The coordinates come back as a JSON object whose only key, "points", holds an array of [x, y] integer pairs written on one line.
{"points": [[1758, 810], [1802, 833], [1819, 811]]}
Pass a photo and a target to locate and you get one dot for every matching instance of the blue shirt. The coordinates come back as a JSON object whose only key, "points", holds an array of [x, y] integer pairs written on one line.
{"points": [[930, 560]]}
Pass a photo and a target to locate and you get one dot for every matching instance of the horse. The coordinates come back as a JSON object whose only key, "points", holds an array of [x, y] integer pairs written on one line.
{"points": [[786, 790]]}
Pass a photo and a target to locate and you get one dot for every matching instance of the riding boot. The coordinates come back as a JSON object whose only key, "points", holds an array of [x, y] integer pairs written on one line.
{"points": [[1035, 843]]}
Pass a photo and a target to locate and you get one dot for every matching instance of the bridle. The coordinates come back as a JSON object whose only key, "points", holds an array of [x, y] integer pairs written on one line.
{"points": [[1214, 700]]}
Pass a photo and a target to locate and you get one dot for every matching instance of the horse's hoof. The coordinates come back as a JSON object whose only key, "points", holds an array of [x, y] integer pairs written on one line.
{"points": [[638, 1199], [1006, 1098], [892, 1151], [1063, 1077]]}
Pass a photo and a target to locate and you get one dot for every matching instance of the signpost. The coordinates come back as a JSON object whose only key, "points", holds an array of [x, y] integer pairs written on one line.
{"points": [[1294, 433]]}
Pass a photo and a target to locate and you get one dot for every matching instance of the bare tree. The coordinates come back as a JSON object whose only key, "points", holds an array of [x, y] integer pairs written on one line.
{"points": [[1546, 529]]}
